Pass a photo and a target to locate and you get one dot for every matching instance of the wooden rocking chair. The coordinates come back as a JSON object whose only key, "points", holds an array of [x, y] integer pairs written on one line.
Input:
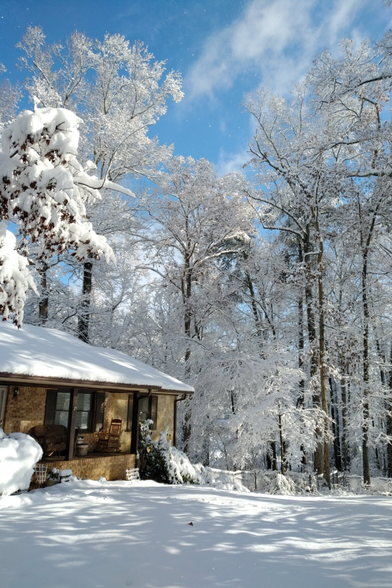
{"points": [[109, 442]]}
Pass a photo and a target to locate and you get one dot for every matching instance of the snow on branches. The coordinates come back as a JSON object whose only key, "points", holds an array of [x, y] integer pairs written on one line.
{"points": [[15, 277], [44, 189]]}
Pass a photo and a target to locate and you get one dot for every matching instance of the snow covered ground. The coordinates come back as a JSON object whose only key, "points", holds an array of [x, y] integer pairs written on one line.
{"points": [[137, 534]]}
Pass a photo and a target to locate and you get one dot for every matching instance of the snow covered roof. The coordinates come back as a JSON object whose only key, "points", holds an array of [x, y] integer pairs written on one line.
{"points": [[49, 353]]}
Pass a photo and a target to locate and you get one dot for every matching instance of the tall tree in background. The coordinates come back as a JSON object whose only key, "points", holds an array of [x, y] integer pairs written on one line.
{"points": [[353, 91], [120, 92], [298, 194], [197, 219]]}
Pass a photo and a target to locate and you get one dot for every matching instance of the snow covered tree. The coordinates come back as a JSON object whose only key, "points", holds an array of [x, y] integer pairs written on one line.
{"points": [[120, 92], [197, 219], [15, 277], [353, 90], [300, 190], [10, 95], [44, 189]]}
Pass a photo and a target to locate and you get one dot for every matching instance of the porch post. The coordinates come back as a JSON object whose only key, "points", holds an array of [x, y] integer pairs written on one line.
{"points": [[71, 423], [135, 426], [175, 423]]}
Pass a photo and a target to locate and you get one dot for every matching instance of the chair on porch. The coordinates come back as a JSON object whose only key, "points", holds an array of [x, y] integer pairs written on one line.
{"points": [[52, 438], [110, 441]]}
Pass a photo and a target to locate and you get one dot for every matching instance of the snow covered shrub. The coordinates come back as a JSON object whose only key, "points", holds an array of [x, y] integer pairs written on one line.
{"points": [[65, 475], [162, 462], [18, 455], [54, 475], [290, 484]]}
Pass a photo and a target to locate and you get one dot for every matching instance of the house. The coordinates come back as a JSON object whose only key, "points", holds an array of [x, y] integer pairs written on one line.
{"points": [[48, 377]]}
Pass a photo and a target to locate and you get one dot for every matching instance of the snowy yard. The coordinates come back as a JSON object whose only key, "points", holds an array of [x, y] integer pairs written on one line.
{"points": [[120, 534]]}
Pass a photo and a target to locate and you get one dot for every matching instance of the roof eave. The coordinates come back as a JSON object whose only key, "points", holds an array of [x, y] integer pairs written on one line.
{"points": [[15, 379]]}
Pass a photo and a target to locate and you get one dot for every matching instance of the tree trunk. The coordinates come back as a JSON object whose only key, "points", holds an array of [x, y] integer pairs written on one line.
{"points": [[43, 307], [365, 360], [322, 366], [345, 444], [283, 447], [365, 248], [335, 425], [311, 324], [301, 338], [274, 457], [389, 419], [84, 314], [186, 298], [301, 349], [255, 312]]}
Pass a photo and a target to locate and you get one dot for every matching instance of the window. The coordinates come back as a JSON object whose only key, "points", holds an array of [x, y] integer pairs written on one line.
{"points": [[83, 411], [62, 408], [57, 407], [144, 408], [148, 409], [89, 409]]}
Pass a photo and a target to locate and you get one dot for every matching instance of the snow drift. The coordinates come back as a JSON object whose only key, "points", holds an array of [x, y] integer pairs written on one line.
{"points": [[18, 455]]}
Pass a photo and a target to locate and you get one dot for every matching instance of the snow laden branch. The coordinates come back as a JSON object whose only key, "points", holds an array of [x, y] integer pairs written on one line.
{"points": [[44, 190], [15, 277]]}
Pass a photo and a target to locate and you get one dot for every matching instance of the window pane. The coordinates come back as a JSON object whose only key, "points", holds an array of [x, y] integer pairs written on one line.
{"points": [[61, 418], [84, 402], [82, 420], [144, 408], [62, 402]]}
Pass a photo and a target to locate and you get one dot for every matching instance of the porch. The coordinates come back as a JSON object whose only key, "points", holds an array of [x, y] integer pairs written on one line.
{"points": [[88, 413]]}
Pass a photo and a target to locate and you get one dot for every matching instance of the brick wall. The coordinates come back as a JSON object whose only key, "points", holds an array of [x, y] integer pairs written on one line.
{"points": [[165, 416], [25, 410], [112, 467]]}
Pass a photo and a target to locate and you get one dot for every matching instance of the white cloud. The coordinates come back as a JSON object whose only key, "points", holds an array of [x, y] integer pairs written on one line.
{"points": [[232, 162], [277, 39]]}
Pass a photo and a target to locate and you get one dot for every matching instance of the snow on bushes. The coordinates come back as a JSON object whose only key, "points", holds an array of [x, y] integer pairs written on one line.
{"points": [[162, 462], [18, 455]]}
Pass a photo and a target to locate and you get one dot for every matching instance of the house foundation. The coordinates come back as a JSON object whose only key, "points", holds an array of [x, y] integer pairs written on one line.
{"points": [[112, 467]]}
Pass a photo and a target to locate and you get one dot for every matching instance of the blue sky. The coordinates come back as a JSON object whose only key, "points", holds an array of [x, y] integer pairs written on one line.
{"points": [[223, 49]]}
